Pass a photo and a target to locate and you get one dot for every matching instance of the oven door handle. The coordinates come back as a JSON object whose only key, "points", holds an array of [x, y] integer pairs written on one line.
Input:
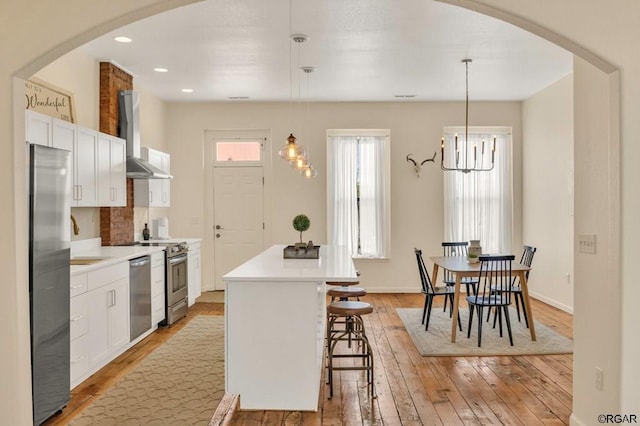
{"points": [[177, 259], [179, 305]]}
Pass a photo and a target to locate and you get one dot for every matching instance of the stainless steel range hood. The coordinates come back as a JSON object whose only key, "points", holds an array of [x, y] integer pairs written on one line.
{"points": [[129, 129]]}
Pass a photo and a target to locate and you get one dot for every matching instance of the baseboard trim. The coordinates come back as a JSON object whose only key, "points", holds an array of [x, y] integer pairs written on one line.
{"points": [[391, 289], [554, 303], [574, 421]]}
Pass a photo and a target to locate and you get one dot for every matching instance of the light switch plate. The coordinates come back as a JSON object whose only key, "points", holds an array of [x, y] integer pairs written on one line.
{"points": [[587, 243]]}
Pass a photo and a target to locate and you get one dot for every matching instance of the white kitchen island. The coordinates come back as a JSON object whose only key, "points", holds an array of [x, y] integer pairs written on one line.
{"points": [[275, 325]]}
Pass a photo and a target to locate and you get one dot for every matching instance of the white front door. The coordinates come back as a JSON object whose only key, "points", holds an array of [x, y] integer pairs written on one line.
{"points": [[238, 217]]}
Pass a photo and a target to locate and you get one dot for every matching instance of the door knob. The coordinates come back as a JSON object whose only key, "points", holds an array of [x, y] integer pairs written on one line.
{"points": [[219, 227], [217, 235]]}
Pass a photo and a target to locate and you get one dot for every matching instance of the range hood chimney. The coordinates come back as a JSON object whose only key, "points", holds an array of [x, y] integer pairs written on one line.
{"points": [[129, 129]]}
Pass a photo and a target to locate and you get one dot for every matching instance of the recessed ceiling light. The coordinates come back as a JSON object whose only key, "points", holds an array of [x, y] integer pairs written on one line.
{"points": [[187, 90], [404, 96], [122, 39], [161, 70]]}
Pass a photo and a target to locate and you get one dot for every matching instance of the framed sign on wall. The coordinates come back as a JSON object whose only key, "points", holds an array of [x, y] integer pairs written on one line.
{"points": [[49, 99]]}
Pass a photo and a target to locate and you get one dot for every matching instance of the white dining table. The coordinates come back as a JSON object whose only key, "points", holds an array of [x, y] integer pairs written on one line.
{"points": [[459, 266]]}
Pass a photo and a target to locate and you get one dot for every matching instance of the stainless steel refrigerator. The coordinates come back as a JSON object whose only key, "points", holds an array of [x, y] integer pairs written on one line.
{"points": [[49, 251]]}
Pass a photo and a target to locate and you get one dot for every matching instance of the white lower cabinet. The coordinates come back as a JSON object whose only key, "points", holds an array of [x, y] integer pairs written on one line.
{"points": [[79, 359], [99, 315], [157, 288], [108, 320], [79, 324], [194, 272]]}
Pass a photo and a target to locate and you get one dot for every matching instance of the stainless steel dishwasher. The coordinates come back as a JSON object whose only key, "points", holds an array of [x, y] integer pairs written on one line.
{"points": [[140, 296]]}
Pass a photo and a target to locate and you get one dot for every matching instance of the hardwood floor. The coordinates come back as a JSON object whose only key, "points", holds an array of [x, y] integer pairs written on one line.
{"points": [[411, 389]]}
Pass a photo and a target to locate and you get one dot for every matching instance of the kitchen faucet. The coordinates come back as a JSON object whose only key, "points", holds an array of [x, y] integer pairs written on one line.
{"points": [[76, 228]]}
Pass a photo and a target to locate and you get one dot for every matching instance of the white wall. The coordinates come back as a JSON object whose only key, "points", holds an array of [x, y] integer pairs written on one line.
{"points": [[78, 74], [27, 43], [547, 191], [416, 203], [596, 330]]}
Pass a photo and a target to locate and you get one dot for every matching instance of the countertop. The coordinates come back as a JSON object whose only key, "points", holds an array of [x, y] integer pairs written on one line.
{"points": [[111, 255], [173, 240], [91, 248], [334, 264]]}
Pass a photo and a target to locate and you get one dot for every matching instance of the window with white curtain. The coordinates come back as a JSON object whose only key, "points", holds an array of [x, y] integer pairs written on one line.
{"points": [[358, 191], [479, 205]]}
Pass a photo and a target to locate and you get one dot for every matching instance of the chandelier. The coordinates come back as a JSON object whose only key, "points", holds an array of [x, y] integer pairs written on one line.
{"points": [[466, 157]]}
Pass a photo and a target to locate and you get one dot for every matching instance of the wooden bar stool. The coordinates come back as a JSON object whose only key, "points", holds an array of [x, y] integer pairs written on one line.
{"points": [[343, 294], [343, 283], [350, 313], [346, 293]]}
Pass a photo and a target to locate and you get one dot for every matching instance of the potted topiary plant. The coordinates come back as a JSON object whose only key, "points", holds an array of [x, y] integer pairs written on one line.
{"points": [[301, 223]]}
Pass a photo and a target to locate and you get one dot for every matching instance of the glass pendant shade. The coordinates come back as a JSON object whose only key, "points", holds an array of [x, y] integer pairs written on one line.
{"points": [[290, 151], [309, 172], [299, 163]]}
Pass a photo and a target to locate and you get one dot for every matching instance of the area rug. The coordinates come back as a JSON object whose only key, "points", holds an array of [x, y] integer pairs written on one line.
{"points": [[437, 340], [179, 383]]}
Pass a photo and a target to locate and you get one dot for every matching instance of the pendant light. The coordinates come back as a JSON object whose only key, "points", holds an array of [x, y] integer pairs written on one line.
{"points": [[291, 150], [300, 161], [308, 171], [463, 149]]}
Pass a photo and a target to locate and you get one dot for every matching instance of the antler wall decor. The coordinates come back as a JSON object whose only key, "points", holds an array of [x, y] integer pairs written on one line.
{"points": [[418, 167]]}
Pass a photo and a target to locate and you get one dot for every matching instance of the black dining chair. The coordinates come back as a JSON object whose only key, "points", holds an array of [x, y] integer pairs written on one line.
{"points": [[430, 292], [526, 259], [494, 291], [457, 248]]}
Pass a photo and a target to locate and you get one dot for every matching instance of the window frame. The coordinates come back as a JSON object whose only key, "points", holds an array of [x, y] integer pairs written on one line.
{"points": [[236, 139], [494, 130], [386, 226]]}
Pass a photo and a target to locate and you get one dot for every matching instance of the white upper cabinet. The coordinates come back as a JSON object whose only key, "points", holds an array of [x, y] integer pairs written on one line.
{"points": [[85, 189], [38, 128], [98, 161], [112, 185], [63, 134], [153, 192]]}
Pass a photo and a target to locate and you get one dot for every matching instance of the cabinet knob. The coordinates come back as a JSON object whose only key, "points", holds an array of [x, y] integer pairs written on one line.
{"points": [[218, 235], [219, 227]]}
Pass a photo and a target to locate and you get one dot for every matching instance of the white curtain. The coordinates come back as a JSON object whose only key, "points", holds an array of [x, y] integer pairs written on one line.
{"points": [[358, 159], [478, 205], [371, 197], [342, 190]]}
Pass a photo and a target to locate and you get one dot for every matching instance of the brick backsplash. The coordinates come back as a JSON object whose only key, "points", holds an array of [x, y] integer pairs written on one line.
{"points": [[116, 223]]}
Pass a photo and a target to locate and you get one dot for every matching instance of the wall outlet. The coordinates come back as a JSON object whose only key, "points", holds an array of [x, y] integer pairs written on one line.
{"points": [[587, 243], [599, 378]]}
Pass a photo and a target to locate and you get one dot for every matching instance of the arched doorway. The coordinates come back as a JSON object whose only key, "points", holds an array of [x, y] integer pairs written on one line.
{"points": [[113, 19]]}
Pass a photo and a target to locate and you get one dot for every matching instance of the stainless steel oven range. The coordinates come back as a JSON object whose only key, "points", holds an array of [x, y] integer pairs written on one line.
{"points": [[176, 290]]}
